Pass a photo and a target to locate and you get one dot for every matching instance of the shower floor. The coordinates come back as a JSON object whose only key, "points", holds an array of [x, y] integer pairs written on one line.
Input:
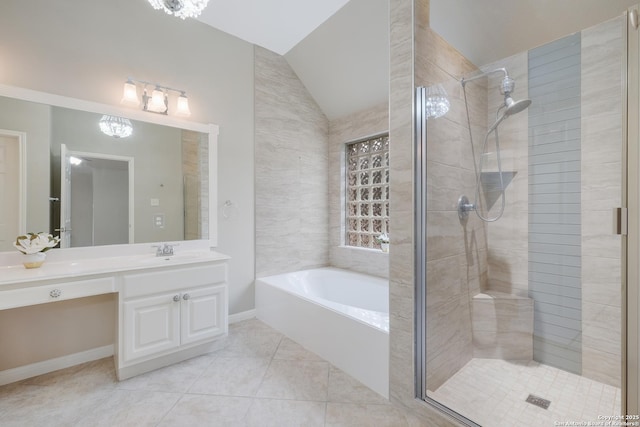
{"points": [[493, 393]]}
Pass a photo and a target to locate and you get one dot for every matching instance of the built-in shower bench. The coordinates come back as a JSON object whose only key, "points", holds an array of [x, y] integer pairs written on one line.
{"points": [[502, 326]]}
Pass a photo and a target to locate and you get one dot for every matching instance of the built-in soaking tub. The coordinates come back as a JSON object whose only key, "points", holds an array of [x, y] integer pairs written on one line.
{"points": [[340, 315]]}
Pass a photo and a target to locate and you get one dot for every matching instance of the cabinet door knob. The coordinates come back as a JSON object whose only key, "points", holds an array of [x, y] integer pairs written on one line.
{"points": [[176, 298], [186, 297], [55, 293]]}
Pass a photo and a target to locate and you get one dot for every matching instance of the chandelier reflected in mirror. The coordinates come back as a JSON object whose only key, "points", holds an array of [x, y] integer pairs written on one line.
{"points": [[180, 8], [117, 127]]}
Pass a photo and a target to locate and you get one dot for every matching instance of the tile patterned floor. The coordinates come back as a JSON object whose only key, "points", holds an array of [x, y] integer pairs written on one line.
{"points": [[492, 393], [258, 378]]}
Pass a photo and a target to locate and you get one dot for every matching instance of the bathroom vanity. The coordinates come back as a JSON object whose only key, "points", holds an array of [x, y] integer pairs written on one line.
{"points": [[170, 308]]}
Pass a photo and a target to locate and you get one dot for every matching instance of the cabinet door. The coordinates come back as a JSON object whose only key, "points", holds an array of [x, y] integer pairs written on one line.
{"points": [[204, 313], [151, 325]]}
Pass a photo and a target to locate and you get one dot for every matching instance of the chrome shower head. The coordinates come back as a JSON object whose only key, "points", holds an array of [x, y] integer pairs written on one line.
{"points": [[514, 107], [511, 107]]}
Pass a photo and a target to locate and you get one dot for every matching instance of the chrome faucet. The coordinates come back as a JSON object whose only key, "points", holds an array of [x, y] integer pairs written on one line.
{"points": [[164, 249]]}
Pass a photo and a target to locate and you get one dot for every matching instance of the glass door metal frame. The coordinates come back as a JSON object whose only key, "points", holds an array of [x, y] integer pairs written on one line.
{"points": [[631, 201], [420, 250]]}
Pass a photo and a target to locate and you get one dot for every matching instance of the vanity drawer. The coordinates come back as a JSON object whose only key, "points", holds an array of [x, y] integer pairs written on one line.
{"points": [[56, 292], [172, 280]]}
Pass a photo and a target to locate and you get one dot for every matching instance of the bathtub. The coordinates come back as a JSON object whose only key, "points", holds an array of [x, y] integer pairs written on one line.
{"points": [[340, 315]]}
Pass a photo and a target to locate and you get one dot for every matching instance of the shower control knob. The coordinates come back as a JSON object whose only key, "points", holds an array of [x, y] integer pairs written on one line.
{"points": [[176, 298], [55, 293], [186, 297]]}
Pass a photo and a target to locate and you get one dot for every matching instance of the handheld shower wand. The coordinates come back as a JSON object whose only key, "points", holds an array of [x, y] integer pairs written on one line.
{"points": [[511, 107]]}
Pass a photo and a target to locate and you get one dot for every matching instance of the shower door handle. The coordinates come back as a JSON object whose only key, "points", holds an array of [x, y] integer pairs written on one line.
{"points": [[620, 221]]}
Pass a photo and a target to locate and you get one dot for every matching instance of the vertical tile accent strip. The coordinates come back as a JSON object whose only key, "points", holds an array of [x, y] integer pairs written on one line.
{"points": [[555, 202]]}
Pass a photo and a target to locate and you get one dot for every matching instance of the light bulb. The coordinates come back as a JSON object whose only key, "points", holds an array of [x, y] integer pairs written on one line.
{"points": [[130, 95], [182, 108], [156, 104]]}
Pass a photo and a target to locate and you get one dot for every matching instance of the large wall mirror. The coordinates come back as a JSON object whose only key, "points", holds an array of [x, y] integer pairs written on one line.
{"points": [[60, 173]]}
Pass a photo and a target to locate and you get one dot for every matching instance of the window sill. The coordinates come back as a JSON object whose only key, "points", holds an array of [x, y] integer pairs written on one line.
{"points": [[357, 248]]}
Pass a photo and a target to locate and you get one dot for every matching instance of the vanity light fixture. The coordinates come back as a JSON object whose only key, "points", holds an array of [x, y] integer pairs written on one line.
{"points": [[157, 101], [117, 127], [180, 8]]}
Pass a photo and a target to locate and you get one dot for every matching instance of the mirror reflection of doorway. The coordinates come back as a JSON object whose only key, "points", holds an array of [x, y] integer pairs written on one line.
{"points": [[12, 181], [96, 207]]}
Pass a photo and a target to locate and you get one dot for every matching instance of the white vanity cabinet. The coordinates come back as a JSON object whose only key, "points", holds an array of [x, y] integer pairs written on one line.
{"points": [[171, 310]]}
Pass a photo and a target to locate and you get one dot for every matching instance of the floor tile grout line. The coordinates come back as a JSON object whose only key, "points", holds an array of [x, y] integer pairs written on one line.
{"points": [[268, 366], [213, 359], [170, 409], [255, 396]]}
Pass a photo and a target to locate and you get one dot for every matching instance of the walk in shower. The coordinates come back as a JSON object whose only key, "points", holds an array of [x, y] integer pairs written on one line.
{"points": [[519, 170]]}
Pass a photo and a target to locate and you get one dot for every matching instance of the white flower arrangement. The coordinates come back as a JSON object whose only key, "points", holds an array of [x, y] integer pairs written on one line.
{"points": [[383, 238], [35, 242]]}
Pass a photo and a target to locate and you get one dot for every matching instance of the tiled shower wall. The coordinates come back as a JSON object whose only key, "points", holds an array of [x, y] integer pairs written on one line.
{"points": [[291, 180], [554, 202], [602, 61], [456, 250], [356, 126], [601, 136], [507, 237]]}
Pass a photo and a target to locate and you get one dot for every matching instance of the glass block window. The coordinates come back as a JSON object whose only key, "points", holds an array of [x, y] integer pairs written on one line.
{"points": [[367, 191]]}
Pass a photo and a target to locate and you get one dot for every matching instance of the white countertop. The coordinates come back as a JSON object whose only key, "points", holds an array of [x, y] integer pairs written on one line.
{"points": [[60, 269]]}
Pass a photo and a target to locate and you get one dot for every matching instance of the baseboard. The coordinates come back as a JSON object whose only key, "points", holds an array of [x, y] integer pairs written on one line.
{"points": [[23, 372], [243, 315]]}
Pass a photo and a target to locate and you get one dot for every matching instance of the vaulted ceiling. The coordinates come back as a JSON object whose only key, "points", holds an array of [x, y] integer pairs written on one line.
{"points": [[340, 48]]}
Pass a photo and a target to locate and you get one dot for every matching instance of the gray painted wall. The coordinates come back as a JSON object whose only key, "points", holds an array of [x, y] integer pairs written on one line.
{"points": [[344, 63]]}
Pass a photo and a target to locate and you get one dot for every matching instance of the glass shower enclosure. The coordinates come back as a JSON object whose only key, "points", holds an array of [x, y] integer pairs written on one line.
{"points": [[520, 273]]}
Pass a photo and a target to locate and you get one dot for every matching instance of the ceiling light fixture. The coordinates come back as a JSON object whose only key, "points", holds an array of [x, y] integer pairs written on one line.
{"points": [[180, 8], [75, 161], [437, 103], [117, 127], [156, 100]]}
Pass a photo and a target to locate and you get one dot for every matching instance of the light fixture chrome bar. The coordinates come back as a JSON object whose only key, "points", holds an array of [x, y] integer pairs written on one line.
{"points": [[147, 83], [158, 100]]}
